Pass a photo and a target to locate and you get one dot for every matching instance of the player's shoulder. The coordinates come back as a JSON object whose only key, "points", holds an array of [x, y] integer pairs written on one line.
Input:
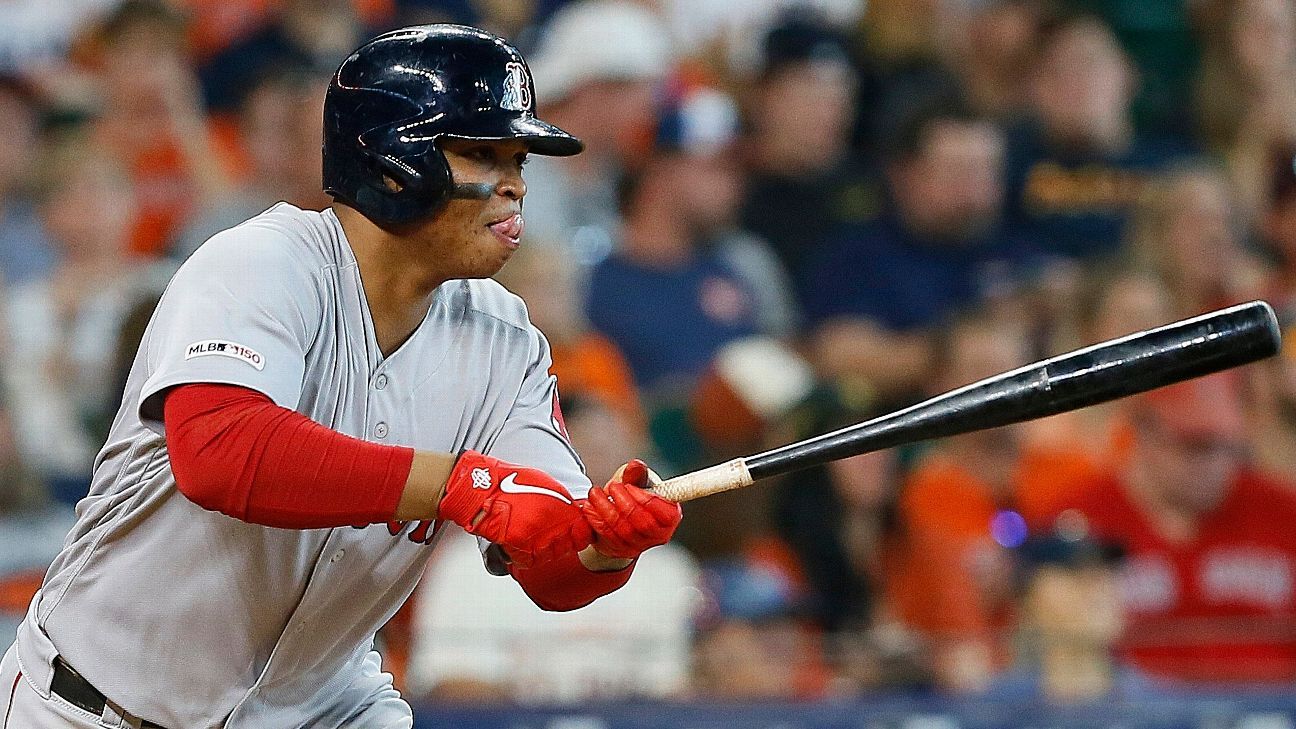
{"points": [[487, 297], [280, 255], [284, 236]]}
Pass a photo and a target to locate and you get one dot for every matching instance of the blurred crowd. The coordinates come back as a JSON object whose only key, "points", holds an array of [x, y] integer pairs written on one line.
{"points": [[791, 215]]}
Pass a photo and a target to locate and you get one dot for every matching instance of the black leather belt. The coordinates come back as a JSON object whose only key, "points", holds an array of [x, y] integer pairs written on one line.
{"points": [[72, 688]]}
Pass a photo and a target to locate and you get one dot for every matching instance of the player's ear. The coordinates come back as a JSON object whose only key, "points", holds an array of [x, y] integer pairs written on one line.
{"points": [[396, 178]]}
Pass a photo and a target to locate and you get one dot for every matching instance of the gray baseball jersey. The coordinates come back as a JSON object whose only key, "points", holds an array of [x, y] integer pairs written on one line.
{"points": [[190, 618]]}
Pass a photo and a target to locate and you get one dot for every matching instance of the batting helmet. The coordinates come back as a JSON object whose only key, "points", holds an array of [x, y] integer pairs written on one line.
{"points": [[394, 98]]}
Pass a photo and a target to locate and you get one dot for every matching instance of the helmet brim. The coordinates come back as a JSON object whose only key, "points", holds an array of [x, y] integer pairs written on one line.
{"points": [[541, 137]]}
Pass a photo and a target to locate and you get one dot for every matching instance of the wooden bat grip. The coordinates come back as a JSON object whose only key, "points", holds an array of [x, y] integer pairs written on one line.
{"points": [[711, 480]]}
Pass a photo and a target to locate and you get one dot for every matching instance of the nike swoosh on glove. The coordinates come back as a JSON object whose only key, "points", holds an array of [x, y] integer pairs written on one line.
{"points": [[524, 510], [625, 518]]}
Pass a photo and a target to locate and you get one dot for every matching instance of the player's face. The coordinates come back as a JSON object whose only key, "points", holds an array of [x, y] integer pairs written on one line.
{"points": [[474, 237]]}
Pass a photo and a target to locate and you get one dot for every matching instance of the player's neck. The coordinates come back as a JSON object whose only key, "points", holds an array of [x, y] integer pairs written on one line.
{"points": [[397, 289]]}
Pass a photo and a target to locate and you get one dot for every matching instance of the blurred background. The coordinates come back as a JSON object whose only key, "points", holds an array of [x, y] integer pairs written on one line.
{"points": [[791, 216]]}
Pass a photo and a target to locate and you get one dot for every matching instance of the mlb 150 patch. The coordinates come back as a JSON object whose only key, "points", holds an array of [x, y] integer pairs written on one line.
{"points": [[223, 348]]}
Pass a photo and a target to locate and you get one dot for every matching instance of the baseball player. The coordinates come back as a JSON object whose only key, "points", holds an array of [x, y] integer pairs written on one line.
{"points": [[317, 393]]}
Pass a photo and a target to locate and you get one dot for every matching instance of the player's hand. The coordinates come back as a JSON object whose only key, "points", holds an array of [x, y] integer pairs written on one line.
{"points": [[523, 510], [625, 518]]}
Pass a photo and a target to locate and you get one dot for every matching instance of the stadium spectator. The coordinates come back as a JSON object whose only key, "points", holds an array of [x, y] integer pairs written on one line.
{"points": [[215, 25], [1124, 301], [835, 518], [670, 297], [278, 124], [518, 20], [1246, 92], [803, 181], [975, 493], [24, 247], [727, 35], [994, 60], [1272, 411], [960, 485], [751, 643], [33, 529], [874, 293], [1208, 585], [1075, 173], [314, 34], [901, 33], [484, 640], [1277, 230], [1274, 408], [1186, 229], [596, 70], [1071, 620], [908, 244], [63, 327], [892, 618], [747, 393], [152, 119], [1163, 46], [1113, 302], [37, 35], [587, 364]]}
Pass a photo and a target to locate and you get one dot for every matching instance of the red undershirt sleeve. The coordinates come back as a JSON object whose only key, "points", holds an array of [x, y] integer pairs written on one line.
{"points": [[565, 583], [235, 451]]}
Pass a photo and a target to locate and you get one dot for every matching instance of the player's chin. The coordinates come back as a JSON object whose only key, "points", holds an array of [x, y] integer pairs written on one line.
{"points": [[487, 260]]}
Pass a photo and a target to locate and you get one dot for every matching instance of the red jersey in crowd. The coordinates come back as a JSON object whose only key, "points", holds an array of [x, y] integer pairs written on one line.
{"points": [[1219, 607]]}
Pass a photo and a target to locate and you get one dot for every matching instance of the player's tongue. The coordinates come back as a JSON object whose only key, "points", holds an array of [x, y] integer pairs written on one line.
{"points": [[510, 227]]}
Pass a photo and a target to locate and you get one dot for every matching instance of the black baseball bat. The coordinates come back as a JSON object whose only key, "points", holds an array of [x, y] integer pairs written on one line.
{"points": [[1117, 368]]}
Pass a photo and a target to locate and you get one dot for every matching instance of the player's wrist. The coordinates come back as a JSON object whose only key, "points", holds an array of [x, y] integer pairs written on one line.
{"points": [[596, 561], [426, 486]]}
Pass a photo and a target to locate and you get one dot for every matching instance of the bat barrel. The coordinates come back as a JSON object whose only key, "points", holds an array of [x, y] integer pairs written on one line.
{"points": [[1126, 366]]}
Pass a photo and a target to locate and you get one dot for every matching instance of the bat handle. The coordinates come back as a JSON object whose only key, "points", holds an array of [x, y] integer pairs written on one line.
{"points": [[712, 480]]}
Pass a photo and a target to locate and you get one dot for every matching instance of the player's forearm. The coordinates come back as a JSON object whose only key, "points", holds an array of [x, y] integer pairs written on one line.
{"points": [[425, 485], [235, 451]]}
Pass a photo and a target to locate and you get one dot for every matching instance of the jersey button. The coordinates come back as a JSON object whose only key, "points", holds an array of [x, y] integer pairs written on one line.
{"points": [[338, 555], [381, 382], [380, 430]]}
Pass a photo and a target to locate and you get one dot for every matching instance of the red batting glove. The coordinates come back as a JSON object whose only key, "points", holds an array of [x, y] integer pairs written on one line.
{"points": [[523, 510], [626, 519]]}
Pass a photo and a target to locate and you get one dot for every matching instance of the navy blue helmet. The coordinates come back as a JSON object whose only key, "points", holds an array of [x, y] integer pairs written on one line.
{"points": [[394, 98]]}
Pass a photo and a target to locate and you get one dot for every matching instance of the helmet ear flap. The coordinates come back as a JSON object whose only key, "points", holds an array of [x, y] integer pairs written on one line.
{"points": [[410, 188]]}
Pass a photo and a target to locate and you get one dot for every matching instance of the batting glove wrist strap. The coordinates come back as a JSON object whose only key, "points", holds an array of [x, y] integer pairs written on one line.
{"points": [[468, 488]]}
